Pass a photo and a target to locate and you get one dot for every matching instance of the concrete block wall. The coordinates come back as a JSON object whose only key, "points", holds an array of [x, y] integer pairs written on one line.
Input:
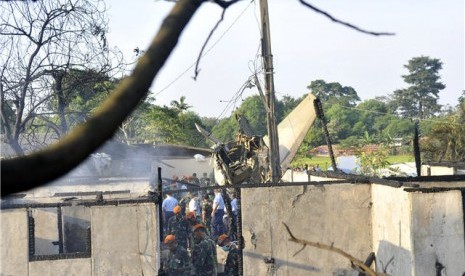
{"points": [[124, 240], [438, 233], [14, 242], [392, 225], [338, 214], [415, 232]]}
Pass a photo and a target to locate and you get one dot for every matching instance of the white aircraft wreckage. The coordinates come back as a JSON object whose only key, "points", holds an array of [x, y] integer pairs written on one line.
{"points": [[247, 158]]}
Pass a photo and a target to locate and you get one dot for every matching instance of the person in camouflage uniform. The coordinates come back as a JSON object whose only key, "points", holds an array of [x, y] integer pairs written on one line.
{"points": [[231, 267], [207, 209], [178, 262], [179, 227], [203, 253], [185, 201], [193, 220]]}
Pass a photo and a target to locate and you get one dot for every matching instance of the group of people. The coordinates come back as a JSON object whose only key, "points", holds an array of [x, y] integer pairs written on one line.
{"points": [[193, 226]]}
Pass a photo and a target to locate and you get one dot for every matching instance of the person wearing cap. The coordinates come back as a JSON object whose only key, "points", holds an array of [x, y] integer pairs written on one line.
{"points": [[194, 205], [203, 253], [178, 262], [178, 226], [184, 202], [167, 206], [231, 267], [192, 219], [207, 209], [217, 215]]}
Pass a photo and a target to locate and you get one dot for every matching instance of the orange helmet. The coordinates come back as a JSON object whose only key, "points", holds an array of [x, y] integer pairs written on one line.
{"points": [[199, 226], [170, 239], [221, 239], [190, 215], [177, 209]]}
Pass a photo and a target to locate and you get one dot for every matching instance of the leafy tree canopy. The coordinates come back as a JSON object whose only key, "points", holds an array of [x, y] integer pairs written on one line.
{"points": [[334, 92], [420, 99]]}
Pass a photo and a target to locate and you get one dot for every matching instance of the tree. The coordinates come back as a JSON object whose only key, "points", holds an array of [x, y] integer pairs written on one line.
{"points": [[446, 138], [46, 39], [420, 99], [50, 163], [334, 92], [181, 105]]}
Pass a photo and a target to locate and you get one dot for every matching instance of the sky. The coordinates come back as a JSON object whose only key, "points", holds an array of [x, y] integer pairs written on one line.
{"points": [[306, 46]]}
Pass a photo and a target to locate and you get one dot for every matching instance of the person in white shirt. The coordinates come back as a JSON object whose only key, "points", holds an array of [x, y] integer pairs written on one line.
{"points": [[217, 215], [194, 205], [167, 206]]}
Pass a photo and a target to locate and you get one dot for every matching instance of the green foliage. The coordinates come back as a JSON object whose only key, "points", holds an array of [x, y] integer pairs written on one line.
{"points": [[254, 110], [446, 138], [226, 129], [350, 142], [165, 125], [341, 121], [420, 98], [371, 162], [315, 135], [84, 90], [333, 92]]}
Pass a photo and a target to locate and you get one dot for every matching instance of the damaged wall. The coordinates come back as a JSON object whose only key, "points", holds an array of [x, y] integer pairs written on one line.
{"points": [[336, 213], [417, 232], [124, 240], [438, 233], [392, 240]]}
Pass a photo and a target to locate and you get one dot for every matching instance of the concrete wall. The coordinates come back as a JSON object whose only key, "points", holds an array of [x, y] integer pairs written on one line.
{"points": [[60, 267], [427, 170], [392, 240], [14, 253], [124, 241], [413, 231], [338, 214], [438, 233]]}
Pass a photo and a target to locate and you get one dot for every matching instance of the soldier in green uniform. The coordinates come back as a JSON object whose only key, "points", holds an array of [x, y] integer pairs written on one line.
{"points": [[185, 201], [178, 262], [203, 253], [231, 267], [193, 220], [207, 209], [178, 226]]}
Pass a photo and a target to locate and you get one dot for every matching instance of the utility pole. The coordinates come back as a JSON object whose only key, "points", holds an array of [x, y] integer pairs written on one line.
{"points": [[272, 129]]}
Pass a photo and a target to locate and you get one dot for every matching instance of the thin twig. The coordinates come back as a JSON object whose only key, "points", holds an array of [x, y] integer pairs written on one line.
{"points": [[356, 261], [342, 22], [300, 250], [205, 44]]}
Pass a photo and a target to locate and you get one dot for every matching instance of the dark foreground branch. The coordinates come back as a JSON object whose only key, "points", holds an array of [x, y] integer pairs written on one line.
{"points": [[310, 6], [27, 172], [357, 262]]}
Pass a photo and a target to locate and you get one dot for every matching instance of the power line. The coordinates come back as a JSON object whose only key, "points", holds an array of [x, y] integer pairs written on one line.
{"points": [[206, 52]]}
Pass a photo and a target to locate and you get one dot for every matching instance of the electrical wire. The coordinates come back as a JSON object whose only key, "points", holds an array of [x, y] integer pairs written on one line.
{"points": [[206, 52]]}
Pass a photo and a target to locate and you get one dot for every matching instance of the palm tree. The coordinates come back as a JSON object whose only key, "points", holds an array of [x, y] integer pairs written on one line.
{"points": [[180, 106]]}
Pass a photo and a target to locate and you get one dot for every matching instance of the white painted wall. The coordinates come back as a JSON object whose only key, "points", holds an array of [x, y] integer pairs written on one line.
{"points": [[124, 242], [392, 240], [14, 242], [437, 170], [438, 232], [339, 214]]}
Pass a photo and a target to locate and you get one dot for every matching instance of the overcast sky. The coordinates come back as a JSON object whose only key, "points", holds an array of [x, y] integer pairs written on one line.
{"points": [[306, 46]]}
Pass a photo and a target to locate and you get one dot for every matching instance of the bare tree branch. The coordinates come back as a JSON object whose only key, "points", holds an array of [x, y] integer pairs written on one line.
{"points": [[310, 6], [55, 161], [331, 248]]}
